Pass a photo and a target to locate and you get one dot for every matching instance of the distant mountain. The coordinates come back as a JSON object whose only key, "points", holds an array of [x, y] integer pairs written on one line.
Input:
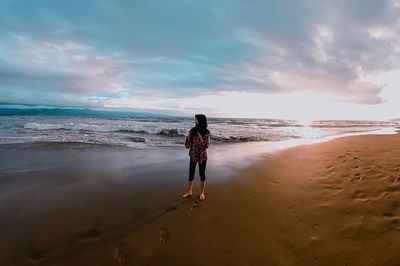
{"points": [[8, 111]]}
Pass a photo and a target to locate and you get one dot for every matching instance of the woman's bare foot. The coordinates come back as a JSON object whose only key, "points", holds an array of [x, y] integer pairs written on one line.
{"points": [[186, 195], [202, 196]]}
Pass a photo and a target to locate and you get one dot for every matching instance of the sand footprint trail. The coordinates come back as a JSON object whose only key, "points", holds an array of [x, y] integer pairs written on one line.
{"points": [[94, 237], [362, 191]]}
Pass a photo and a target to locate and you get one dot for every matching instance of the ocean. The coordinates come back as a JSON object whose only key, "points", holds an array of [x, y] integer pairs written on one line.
{"points": [[150, 132]]}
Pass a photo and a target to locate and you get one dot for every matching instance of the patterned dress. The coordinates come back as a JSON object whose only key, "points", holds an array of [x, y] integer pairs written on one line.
{"points": [[197, 148]]}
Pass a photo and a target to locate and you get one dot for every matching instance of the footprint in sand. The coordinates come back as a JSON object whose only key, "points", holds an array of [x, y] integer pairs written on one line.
{"points": [[393, 188], [34, 254], [195, 206], [91, 234], [380, 175], [393, 179], [388, 214], [357, 177], [395, 224], [120, 254], [170, 208], [164, 236], [330, 168], [395, 205], [358, 194]]}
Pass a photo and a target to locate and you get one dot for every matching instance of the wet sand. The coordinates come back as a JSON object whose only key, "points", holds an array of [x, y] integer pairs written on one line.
{"points": [[331, 203]]}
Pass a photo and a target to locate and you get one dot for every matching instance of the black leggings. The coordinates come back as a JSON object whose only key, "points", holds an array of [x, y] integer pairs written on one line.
{"points": [[202, 170]]}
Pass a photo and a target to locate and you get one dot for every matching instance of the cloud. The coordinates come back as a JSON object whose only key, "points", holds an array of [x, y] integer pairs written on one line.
{"points": [[101, 53]]}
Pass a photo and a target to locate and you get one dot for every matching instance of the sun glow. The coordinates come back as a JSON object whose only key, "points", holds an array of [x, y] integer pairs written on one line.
{"points": [[303, 107]]}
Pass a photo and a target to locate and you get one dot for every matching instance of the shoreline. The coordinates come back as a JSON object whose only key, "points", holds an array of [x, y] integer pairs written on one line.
{"points": [[242, 154], [242, 211]]}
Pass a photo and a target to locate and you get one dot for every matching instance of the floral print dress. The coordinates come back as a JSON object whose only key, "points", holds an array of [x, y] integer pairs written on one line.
{"points": [[197, 148]]}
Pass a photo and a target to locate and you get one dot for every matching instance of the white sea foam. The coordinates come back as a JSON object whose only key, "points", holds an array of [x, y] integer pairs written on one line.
{"points": [[151, 132], [43, 126]]}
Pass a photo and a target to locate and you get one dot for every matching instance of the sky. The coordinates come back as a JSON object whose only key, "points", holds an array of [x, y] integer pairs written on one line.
{"points": [[304, 59]]}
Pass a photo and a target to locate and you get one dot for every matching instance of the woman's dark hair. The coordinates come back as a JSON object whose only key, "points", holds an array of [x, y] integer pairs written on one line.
{"points": [[201, 126]]}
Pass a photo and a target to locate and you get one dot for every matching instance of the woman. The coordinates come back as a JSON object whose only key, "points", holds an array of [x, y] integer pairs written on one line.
{"points": [[198, 141]]}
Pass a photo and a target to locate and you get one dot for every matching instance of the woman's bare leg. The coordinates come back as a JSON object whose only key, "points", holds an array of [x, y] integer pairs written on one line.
{"points": [[202, 190], [189, 191]]}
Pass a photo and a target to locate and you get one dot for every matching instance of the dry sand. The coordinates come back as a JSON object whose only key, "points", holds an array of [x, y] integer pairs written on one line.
{"points": [[332, 203]]}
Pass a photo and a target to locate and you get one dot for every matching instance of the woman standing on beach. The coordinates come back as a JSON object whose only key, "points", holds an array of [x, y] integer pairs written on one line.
{"points": [[198, 141]]}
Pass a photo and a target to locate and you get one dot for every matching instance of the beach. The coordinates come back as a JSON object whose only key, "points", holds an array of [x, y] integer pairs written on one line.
{"points": [[329, 203], [105, 105]]}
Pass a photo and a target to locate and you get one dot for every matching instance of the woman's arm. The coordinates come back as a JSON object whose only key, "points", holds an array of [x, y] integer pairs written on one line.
{"points": [[188, 140]]}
